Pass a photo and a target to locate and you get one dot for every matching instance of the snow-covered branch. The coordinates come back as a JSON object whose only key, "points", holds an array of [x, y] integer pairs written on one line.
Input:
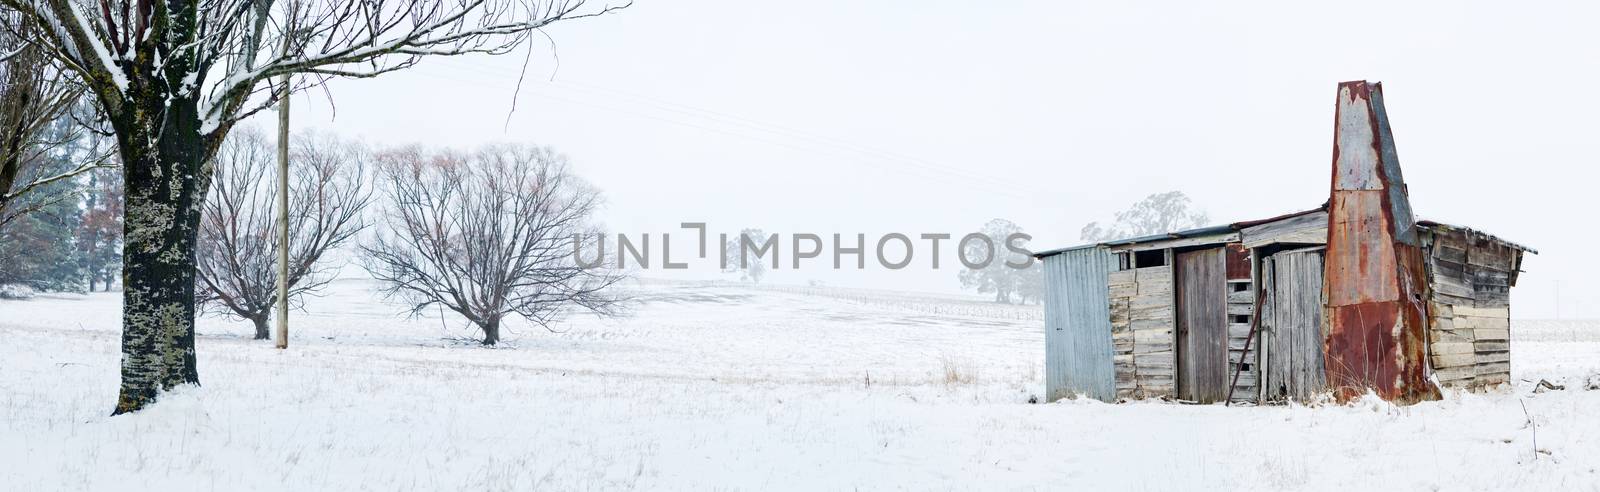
{"points": [[76, 38], [367, 39], [220, 53], [101, 161]]}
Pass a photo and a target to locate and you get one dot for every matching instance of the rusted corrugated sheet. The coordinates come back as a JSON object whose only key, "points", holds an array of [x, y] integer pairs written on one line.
{"points": [[1238, 261], [1375, 282], [1078, 324]]}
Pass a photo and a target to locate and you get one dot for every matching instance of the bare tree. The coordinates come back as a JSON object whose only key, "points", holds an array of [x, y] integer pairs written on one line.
{"points": [[1156, 214], [997, 275], [173, 77], [1030, 284], [488, 235], [736, 260], [236, 259]]}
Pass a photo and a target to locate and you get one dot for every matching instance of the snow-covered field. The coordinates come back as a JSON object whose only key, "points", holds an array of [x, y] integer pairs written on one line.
{"points": [[725, 387]]}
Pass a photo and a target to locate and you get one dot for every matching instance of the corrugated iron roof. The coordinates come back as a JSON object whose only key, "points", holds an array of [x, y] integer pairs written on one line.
{"points": [[1291, 215], [1203, 231], [1057, 251]]}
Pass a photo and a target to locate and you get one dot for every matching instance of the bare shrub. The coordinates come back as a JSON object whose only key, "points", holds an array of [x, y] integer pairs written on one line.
{"points": [[956, 373]]}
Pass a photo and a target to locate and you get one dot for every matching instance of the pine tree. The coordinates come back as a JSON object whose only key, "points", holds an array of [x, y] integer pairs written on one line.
{"points": [[38, 250]]}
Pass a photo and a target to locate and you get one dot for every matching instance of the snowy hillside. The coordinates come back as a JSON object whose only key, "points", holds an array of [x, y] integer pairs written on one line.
{"points": [[728, 387]]}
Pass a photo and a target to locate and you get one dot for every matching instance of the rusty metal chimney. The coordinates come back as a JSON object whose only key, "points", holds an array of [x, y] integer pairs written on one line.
{"points": [[1376, 286]]}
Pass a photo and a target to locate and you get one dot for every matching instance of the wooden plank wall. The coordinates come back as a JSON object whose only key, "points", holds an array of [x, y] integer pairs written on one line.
{"points": [[1470, 326], [1142, 317]]}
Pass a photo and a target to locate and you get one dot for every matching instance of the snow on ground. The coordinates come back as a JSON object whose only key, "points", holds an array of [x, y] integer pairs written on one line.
{"points": [[711, 386]]}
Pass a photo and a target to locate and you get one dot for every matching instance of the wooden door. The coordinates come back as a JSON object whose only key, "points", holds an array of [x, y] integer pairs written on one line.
{"points": [[1292, 330], [1202, 298]]}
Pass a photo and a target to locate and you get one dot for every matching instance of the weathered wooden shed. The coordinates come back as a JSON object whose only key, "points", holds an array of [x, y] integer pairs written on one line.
{"points": [[1172, 315], [1350, 297]]}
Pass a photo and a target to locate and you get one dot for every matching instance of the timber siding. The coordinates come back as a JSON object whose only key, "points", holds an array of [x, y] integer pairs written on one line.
{"points": [[1111, 310], [1142, 322], [1470, 332], [1354, 296], [1078, 344]]}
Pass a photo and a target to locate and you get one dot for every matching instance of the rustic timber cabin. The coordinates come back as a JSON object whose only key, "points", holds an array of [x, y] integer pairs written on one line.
{"points": [[1169, 316], [1350, 297]]}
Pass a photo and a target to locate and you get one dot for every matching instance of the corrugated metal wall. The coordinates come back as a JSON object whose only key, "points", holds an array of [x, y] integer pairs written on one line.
{"points": [[1078, 324]]}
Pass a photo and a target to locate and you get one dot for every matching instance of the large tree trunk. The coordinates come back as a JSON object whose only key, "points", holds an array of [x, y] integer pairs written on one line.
{"points": [[163, 154], [491, 331], [261, 328]]}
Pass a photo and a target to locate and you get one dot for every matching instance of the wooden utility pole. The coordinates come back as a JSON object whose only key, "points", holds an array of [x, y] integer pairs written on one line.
{"points": [[283, 212]]}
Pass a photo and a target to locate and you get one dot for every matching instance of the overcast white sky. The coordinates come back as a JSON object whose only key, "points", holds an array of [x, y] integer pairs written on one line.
{"points": [[932, 116]]}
